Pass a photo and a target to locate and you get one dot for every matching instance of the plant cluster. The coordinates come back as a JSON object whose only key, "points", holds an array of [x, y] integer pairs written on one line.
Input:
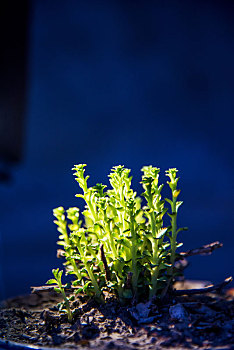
{"points": [[121, 244]]}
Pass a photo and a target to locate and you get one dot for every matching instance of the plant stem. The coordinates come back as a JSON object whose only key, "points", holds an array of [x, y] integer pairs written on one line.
{"points": [[93, 280], [112, 242], [77, 272], [173, 235], [173, 245], [91, 208], [73, 263], [134, 255], [155, 271], [69, 313], [98, 293]]}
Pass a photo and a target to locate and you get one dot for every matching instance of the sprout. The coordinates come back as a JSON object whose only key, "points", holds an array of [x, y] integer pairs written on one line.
{"points": [[65, 306]]}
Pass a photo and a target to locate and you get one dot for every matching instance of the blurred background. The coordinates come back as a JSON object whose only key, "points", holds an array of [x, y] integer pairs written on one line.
{"points": [[108, 83]]}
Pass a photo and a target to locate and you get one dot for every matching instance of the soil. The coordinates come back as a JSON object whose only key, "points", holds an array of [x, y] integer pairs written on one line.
{"points": [[182, 322]]}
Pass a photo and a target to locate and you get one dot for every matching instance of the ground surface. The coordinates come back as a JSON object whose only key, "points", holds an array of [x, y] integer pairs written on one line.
{"points": [[201, 321]]}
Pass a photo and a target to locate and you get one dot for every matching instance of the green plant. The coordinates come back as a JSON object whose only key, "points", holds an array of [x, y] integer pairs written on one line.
{"points": [[123, 245]]}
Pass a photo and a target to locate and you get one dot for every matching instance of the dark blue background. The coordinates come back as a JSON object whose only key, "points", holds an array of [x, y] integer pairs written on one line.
{"points": [[132, 83]]}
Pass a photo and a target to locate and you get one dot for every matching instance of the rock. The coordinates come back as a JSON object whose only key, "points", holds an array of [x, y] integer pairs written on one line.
{"points": [[143, 309], [141, 312], [178, 312]]}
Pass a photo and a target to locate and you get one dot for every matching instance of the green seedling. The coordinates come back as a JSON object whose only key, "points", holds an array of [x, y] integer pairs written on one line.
{"points": [[121, 244], [65, 306]]}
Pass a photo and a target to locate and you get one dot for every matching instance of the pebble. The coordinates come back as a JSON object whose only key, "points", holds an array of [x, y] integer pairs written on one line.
{"points": [[143, 309], [141, 312], [178, 312]]}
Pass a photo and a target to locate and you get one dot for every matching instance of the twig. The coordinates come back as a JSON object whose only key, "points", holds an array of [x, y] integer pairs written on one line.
{"points": [[42, 289], [103, 257], [182, 263], [165, 289], [206, 249], [128, 283], [51, 288], [208, 289]]}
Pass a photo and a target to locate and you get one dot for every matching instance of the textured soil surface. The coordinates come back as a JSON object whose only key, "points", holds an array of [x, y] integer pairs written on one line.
{"points": [[185, 322]]}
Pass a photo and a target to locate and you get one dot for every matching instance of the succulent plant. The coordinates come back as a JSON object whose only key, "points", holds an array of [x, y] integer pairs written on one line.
{"points": [[120, 244]]}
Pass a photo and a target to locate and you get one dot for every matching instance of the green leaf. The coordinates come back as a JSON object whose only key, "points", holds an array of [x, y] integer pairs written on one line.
{"points": [[172, 215], [55, 272], [161, 233], [176, 193], [76, 283], [87, 214], [169, 201], [79, 290], [182, 229], [61, 243], [52, 281], [60, 274], [178, 204], [125, 242], [79, 195], [73, 227], [87, 285]]}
